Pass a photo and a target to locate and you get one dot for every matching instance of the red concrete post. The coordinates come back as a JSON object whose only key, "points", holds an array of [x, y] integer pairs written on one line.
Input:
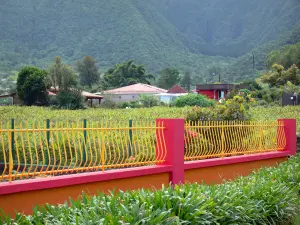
{"points": [[290, 135], [173, 135]]}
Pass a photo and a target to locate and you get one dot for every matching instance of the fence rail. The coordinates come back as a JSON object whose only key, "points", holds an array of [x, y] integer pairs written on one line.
{"points": [[29, 150], [211, 139]]}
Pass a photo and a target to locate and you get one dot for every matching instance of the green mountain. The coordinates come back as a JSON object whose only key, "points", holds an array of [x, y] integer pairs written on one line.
{"points": [[247, 65], [190, 34]]}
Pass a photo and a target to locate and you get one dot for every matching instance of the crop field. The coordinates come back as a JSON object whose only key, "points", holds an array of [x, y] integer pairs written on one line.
{"points": [[41, 114]]}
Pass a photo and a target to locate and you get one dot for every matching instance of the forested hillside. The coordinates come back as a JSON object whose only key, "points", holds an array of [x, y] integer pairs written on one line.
{"points": [[190, 34]]}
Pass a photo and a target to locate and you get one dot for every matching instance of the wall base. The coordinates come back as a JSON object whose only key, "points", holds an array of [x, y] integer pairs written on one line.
{"points": [[218, 173]]}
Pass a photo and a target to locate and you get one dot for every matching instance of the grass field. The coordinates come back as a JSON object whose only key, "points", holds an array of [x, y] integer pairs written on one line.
{"points": [[40, 113]]}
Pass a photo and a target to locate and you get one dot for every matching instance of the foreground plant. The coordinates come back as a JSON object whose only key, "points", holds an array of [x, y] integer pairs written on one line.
{"points": [[269, 196]]}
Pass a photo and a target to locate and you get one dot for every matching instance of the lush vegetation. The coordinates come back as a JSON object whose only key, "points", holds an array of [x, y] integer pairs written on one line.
{"points": [[125, 74], [256, 199], [193, 100], [168, 77], [88, 71], [150, 32], [31, 86], [232, 109]]}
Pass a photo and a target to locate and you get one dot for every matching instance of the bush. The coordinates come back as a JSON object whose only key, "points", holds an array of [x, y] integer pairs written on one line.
{"points": [[256, 199], [133, 104], [193, 100], [268, 94], [232, 109], [70, 99], [148, 101]]}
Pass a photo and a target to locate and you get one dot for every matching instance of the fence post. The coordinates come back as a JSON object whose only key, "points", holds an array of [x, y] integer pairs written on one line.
{"points": [[289, 130], [84, 144], [48, 140], [173, 135], [130, 138]]}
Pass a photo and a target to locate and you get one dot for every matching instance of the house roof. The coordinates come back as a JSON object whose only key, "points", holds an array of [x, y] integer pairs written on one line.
{"points": [[176, 89], [8, 95], [136, 89], [91, 95], [171, 94], [85, 94]]}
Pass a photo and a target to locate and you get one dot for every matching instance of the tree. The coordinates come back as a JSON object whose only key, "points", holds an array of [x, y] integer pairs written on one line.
{"points": [[168, 77], [70, 99], [278, 76], [124, 74], [214, 71], [186, 81], [88, 71], [31, 86], [61, 76], [286, 56]]}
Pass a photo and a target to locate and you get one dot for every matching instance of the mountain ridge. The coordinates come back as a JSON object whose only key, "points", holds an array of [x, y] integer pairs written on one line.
{"points": [[191, 34]]}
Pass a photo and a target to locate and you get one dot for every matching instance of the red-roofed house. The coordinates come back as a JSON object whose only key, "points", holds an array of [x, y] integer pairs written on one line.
{"points": [[132, 92], [176, 89], [175, 92]]}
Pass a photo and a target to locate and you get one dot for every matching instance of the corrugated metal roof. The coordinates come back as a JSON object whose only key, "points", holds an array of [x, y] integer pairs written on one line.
{"points": [[91, 95], [84, 94], [136, 89]]}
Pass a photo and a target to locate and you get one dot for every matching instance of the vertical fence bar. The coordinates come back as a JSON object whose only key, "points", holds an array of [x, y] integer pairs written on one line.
{"points": [[103, 151], [84, 144], [222, 139], [11, 136], [48, 140], [130, 138], [260, 137]]}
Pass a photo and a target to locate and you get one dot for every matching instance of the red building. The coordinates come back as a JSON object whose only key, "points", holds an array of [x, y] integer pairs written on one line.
{"points": [[218, 91]]}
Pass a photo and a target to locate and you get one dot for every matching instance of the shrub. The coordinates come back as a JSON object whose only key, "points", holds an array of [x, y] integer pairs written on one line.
{"points": [[70, 99], [133, 104], [193, 100], [256, 199], [268, 94], [148, 101], [232, 109]]}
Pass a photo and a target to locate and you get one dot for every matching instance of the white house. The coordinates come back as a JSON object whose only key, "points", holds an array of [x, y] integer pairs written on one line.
{"points": [[131, 92]]}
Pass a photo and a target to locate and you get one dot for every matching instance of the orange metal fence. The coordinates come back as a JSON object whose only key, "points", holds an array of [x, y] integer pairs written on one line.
{"points": [[211, 139], [35, 149], [29, 150]]}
